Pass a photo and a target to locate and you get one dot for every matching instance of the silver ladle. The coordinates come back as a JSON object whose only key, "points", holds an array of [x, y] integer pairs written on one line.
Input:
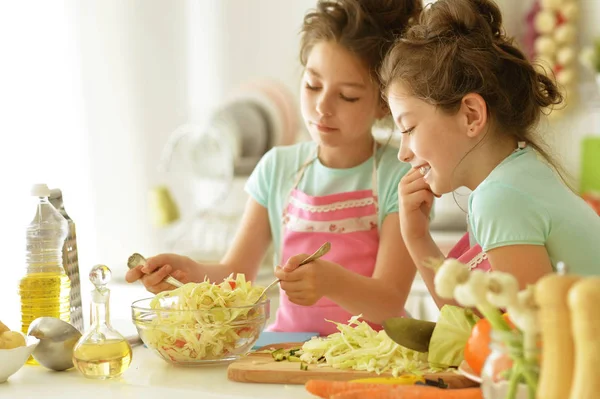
{"points": [[57, 340]]}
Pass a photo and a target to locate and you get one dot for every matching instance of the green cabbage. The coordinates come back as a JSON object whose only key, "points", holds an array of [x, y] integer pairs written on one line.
{"points": [[449, 338], [358, 347]]}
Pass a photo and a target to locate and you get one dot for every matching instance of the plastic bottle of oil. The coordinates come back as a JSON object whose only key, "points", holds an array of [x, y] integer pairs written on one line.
{"points": [[101, 353], [45, 289]]}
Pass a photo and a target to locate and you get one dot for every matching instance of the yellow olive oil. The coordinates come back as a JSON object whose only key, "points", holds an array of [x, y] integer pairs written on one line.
{"points": [[104, 360], [44, 294], [45, 290]]}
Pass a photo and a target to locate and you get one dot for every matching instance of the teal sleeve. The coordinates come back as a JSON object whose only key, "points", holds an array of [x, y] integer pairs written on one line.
{"points": [[390, 191], [258, 185], [502, 215]]}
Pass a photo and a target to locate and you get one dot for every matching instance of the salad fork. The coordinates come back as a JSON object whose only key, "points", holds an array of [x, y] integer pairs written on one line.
{"points": [[137, 259], [318, 253]]}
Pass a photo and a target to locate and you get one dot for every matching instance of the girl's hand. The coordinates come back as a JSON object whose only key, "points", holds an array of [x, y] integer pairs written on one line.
{"points": [[306, 284], [158, 267], [416, 200]]}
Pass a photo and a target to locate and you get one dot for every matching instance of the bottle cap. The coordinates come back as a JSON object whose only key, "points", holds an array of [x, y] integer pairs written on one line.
{"points": [[40, 190], [100, 276]]}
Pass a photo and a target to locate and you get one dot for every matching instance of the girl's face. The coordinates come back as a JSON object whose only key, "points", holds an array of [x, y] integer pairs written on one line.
{"points": [[432, 140], [339, 101]]}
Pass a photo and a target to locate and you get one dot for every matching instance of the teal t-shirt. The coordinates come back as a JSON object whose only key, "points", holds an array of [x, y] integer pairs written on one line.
{"points": [[523, 201], [271, 181]]}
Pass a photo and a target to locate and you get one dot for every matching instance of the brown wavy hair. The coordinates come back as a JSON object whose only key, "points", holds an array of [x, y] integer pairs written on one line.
{"points": [[459, 47], [366, 28]]}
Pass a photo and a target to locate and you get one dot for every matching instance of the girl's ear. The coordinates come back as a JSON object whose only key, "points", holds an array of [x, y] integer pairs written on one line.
{"points": [[474, 109]]}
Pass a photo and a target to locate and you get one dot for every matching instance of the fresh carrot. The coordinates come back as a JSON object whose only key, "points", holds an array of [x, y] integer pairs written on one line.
{"points": [[334, 390], [410, 392], [325, 389], [372, 393]]}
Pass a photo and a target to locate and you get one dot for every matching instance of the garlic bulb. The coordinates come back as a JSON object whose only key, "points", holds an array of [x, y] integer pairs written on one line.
{"points": [[450, 274], [502, 289], [544, 45], [566, 56], [570, 11], [545, 22], [565, 34], [555, 24], [472, 293], [524, 312]]}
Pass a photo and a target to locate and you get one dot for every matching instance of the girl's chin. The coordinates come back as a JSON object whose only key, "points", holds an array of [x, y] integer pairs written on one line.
{"points": [[437, 189]]}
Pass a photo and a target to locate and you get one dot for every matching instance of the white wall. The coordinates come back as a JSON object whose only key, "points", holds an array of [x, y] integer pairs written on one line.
{"points": [[134, 66], [254, 39], [149, 66], [91, 90], [42, 132]]}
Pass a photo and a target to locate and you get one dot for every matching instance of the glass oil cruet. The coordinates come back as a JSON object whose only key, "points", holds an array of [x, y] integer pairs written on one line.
{"points": [[101, 353]]}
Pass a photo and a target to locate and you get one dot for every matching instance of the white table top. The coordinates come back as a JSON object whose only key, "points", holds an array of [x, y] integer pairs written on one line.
{"points": [[148, 377]]}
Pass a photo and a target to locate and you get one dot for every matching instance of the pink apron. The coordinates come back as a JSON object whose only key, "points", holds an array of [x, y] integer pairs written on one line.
{"points": [[349, 222], [474, 257]]}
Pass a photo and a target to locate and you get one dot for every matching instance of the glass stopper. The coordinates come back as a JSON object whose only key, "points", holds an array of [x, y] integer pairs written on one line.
{"points": [[100, 276]]}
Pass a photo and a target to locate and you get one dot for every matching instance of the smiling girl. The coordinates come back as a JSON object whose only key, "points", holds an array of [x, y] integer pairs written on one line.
{"points": [[341, 187], [466, 101]]}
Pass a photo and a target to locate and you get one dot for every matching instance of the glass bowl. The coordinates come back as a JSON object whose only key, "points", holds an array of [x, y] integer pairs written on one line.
{"points": [[199, 337]]}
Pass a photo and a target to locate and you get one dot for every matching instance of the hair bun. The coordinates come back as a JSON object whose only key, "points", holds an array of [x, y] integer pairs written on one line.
{"points": [[491, 14], [463, 18], [390, 16]]}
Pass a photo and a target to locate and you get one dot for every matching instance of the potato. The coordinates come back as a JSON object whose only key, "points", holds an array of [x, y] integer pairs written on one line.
{"points": [[11, 339], [3, 328]]}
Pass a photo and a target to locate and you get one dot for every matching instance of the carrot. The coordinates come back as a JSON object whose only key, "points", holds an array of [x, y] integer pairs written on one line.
{"points": [[410, 392], [325, 389], [331, 389], [373, 393]]}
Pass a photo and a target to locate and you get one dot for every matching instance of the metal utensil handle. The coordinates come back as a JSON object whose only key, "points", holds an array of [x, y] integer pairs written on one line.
{"points": [[173, 281], [268, 287], [134, 340], [137, 259], [318, 253]]}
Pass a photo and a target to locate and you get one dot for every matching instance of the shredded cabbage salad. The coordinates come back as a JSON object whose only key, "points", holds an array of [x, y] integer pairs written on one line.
{"points": [[223, 325], [357, 346]]}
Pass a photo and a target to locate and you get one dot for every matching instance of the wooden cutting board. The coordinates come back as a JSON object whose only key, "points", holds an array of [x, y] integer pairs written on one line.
{"points": [[262, 368]]}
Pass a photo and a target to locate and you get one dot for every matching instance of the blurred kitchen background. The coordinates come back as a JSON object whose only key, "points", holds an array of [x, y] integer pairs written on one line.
{"points": [[109, 99]]}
